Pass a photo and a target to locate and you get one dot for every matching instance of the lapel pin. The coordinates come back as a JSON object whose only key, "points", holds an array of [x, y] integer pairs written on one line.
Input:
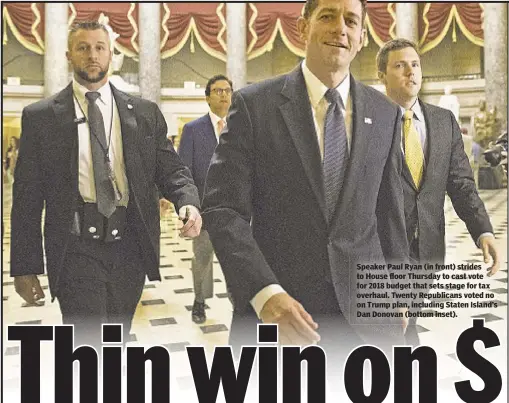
{"points": [[368, 121], [129, 106]]}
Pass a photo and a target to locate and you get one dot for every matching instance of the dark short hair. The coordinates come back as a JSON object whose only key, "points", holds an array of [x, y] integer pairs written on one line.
{"points": [[311, 5], [395, 44], [87, 26], [212, 80]]}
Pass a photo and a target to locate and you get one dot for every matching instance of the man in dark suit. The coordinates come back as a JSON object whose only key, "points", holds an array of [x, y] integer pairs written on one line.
{"points": [[435, 163], [303, 187], [96, 159], [197, 144]]}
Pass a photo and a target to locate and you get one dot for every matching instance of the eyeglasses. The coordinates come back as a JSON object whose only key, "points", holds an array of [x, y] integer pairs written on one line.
{"points": [[221, 91]]}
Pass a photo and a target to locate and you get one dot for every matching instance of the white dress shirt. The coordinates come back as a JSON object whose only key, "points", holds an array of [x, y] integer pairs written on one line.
{"points": [[109, 111], [319, 104]]}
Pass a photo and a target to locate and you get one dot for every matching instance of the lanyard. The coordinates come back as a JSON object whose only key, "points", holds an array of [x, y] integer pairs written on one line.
{"points": [[111, 174]]}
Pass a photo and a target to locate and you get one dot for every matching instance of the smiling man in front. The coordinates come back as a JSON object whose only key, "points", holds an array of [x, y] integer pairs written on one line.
{"points": [[303, 186]]}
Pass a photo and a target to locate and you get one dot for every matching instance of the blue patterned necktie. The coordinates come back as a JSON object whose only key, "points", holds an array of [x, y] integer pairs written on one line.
{"points": [[335, 151], [105, 192]]}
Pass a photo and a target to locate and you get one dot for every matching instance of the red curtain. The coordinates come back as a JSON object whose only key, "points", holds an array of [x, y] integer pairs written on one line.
{"points": [[205, 23], [470, 15], [380, 21], [437, 19], [26, 21], [264, 21]]}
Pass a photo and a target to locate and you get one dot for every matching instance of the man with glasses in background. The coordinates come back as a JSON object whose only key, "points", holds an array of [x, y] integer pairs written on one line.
{"points": [[199, 140]]}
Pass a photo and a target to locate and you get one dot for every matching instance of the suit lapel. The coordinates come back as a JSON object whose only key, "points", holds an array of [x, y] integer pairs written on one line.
{"points": [[436, 143], [209, 132], [361, 133], [408, 176], [129, 129], [65, 115], [298, 117]]}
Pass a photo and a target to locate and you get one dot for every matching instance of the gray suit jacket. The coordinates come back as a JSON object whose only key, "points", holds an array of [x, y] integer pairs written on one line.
{"points": [[264, 203], [447, 170]]}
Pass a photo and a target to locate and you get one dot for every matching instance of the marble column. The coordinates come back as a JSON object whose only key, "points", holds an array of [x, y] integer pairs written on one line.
{"points": [[407, 17], [56, 73], [236, 64], [149, 78], [495, 58]]}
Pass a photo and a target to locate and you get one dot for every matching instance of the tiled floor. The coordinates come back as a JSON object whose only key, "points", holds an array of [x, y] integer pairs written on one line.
{"points": [[163, 316]]}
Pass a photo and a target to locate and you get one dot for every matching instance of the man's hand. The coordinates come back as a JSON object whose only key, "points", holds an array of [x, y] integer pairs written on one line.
{"points": [[191, 218], [487, 244], [296, 326], [404, 319], [29, 288]]}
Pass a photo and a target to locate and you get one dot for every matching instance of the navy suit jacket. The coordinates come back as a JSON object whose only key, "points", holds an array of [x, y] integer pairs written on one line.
{"points": [[264, 203], [196, 148]]}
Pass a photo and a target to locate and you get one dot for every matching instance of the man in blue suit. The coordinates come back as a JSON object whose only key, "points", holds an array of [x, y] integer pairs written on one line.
{"points": [[305, 186], [199, 140]]}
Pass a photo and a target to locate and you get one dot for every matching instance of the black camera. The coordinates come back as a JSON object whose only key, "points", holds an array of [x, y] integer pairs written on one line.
{"points": [[496, 154]]}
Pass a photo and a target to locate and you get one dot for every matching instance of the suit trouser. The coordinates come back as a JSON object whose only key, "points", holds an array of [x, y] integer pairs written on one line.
{"points": [[411, 334], [101, 283], [202, 267]]}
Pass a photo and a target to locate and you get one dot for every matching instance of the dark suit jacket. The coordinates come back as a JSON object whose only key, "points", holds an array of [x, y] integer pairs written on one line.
{"points": [[447, 170], [267, 171], [47, 176], [196, 147]]}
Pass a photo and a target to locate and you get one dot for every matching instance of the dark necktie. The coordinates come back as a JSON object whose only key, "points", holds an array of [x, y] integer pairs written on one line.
{"points": [[335, 151], [105, 193]]}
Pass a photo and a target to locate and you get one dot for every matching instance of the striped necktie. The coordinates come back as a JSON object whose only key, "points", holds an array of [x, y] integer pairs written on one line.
{"points": [[335, 150]]}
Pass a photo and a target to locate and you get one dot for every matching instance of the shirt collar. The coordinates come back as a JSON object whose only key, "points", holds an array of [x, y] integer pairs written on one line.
{"points": [[317, 89], [214, 118], [416, 109], [80, 91]]}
